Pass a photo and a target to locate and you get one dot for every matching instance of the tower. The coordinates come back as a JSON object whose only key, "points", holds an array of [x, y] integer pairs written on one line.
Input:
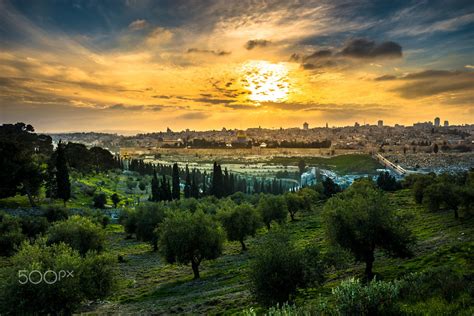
{"points": [[437, 122], [380, 123], [305, 126]]}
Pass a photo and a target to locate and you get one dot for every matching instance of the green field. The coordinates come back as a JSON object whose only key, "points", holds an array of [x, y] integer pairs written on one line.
{"points": [[342, 164], [148, 285]]}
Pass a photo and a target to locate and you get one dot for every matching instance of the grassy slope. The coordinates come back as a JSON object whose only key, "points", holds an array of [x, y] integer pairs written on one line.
{"points": [[148, 285]]}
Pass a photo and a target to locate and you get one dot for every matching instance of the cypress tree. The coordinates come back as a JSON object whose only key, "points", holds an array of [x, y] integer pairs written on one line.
{"points": [[194, 187], [176, 191], [62, 175], [187, 186], [155, 188]]}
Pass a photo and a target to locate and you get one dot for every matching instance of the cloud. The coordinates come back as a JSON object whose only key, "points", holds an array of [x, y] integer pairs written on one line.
{"points": [[138, 25], [385, 78], [433, 82], [122, 107], [206, 51], [469, 66], [256, 43], [194, 116], [364, 48], [159, 36]]}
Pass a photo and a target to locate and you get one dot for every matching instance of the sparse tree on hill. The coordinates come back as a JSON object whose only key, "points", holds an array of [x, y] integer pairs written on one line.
{"points": [[272, 208], [240, 222], [361, 221], [190, 238]]}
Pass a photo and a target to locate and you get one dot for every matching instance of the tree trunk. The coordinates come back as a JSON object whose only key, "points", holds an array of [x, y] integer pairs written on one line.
{"points": [[456, 214], [195, 267], [268, 226], [369, 261], [292, 216], [155, 245], [243, 245], [30, 198]]}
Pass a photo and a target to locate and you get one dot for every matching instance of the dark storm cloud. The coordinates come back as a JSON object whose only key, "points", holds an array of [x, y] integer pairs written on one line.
{"points": [[206, 51], [365, 48], [432, 82], [256, 43]]}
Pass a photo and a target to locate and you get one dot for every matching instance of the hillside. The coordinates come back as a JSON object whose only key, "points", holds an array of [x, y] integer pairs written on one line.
{"points": [[148, 285]]}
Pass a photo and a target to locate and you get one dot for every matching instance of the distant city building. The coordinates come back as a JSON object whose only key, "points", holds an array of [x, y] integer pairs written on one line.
{"points": [[241, 137], [437, 122], [356, 124], [446, 123], [327, 125], [423, 125], [305, 126], [380, 123]]}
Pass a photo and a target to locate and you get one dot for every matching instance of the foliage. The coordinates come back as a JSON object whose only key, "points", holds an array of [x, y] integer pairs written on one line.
{"points": [[272, 208], [92, 278], [387, 182], [361, 220], [22, 154], [294, 203], [376, 298], [240, 222], [11, 234], [115, 199], [33, 226], [78, 232], [279, 269], [330, 187], [147, 217], [100, 200], [54, 213], [190, 238]]}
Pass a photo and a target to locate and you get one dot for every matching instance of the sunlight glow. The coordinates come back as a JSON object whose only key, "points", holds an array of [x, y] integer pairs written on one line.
{"points": [[265, 81]]}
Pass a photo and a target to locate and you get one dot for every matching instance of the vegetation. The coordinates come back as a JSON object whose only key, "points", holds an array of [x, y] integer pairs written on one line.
{"points": [[361, 221], [190, 238], [240, 222]]}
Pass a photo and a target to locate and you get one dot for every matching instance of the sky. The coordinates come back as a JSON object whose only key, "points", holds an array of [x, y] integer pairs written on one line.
{"points": [[131, 66]]}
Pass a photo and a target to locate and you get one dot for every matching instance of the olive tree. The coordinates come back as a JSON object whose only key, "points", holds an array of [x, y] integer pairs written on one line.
{"points": [[240, 222], [190, 238], [272, 208], [361, 221]]}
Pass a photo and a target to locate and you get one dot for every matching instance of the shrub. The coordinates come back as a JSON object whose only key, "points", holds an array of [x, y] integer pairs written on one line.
{"points": [[78, 232], [277, 270], [314, 266], [375, 298], [55, 213], [10, 234], [240, 222], [128, 218], [33, 226], [190, 238], [294, 203], [62, 296]]}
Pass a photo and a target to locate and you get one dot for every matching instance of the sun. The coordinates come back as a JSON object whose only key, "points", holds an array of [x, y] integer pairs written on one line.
{"points": [[265, 81]]}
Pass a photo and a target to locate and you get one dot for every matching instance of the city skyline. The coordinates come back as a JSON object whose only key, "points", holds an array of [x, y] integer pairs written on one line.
{"points": [[142, 66]]}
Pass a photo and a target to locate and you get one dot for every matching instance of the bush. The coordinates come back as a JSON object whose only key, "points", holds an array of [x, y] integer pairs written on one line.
{"points": [[240, 222], [54, 213], [277, 269], [33, 226], [190, 238], [11, 235], [62, 296], [375, 298], [78, 232]]}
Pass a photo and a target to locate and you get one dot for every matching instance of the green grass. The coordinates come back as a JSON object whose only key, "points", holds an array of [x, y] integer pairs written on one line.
{"points": [[342, 164]]}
